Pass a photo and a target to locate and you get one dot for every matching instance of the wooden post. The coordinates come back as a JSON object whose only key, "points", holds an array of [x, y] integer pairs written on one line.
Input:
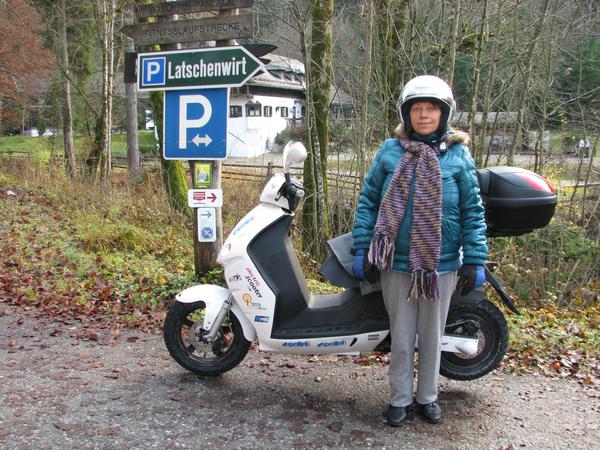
{"points": [[131, 102], [269, 170], [205, 253], [133, 151]]}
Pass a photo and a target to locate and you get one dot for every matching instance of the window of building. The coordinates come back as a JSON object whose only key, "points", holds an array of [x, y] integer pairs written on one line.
{"points": [[253, 109], [235, 111], [284, 111], [268, 111]]}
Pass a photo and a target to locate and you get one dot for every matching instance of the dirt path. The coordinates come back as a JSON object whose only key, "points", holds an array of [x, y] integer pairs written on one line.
{"points": [[61, 391]]}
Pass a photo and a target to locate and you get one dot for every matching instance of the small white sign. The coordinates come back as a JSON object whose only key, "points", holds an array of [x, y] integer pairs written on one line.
{"points": [[199, 198], [207, 224]]}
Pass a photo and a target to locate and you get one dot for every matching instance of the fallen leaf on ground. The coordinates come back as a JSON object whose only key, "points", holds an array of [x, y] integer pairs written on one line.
{"points": [[335, 426]]}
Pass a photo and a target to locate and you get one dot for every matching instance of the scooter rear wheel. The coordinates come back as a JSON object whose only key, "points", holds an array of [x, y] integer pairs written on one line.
{"points": [[485, 321], [183, 335]]}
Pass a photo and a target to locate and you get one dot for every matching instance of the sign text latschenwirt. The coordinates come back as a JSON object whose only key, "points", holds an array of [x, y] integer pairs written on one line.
{"points": [[195, 30], [189, 6], [204, 67]]}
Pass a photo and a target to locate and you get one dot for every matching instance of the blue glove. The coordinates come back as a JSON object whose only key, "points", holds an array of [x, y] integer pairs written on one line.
{"points": [[470, 276], [362, 267], [359, 263]]}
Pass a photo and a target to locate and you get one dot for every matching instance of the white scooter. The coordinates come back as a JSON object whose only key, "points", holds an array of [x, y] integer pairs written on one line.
{"points": [[208, 329]]}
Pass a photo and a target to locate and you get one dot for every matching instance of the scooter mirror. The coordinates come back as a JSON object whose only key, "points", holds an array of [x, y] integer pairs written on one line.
{"points": [[293, 153]]}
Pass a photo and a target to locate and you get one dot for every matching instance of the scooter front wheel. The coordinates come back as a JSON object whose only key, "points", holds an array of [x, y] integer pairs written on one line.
{"points": [[484, 321], [183, 335]]}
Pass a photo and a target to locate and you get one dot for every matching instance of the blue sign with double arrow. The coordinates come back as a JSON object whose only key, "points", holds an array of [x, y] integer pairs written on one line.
{"points": [[195, 124]]}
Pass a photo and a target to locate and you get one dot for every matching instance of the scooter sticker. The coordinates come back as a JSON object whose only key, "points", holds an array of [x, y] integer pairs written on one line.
{"points": [[242, 224], [339, 343], [252, 276], [296, 344], [247, 298], [263, 319], [252, 286]]}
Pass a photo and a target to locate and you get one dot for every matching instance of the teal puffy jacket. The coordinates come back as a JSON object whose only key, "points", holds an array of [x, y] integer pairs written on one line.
{"points": [[463, 223]]}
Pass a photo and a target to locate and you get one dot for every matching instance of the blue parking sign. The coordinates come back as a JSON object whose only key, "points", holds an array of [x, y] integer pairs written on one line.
{"points": [[195, 124], [153, 71]]}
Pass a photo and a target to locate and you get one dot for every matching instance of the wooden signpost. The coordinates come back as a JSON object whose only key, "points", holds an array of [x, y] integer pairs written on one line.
{"points": [[224, 29], [189, 6], [194, 30]]}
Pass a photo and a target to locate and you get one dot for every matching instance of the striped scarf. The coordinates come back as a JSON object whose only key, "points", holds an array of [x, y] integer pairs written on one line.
{"points": [[420, 161]]}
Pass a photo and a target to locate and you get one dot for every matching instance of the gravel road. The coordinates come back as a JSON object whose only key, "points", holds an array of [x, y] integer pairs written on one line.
{"points": [[62, 387]]}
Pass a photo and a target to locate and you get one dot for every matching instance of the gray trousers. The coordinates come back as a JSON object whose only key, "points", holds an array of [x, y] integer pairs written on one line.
{"points": [[408, 319]]}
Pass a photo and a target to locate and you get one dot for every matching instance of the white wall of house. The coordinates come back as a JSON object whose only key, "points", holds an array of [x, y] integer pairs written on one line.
{"points": [[253, 136]]}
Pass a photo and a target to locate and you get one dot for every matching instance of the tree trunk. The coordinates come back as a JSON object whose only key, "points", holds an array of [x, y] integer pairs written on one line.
{"points": [[550, 62], [108, 11], [309, 210], [520, 127], [173, 172], [316, 231], [321, 68], [477, 147], [453, 40], [133, 152], [364, 93], [67, 109], [489, 88], [391, 26]]}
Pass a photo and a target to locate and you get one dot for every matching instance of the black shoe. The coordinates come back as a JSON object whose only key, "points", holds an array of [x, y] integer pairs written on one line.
{"points": [[431, 412], [395, 415]]}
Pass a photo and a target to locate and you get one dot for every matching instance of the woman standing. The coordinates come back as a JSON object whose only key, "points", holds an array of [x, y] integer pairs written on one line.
{"points": [[418, 207]]}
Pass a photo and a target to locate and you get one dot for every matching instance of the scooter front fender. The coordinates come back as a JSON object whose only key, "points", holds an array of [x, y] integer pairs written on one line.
{"points": [[214, 297]]}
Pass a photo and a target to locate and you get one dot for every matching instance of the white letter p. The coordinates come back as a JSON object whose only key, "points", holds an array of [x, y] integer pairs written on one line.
{"points": [[185, 123], [153, 68]]}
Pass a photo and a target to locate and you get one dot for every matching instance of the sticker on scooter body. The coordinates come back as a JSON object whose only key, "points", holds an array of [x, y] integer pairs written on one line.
{"points": [[339, 343], [263, 319]]}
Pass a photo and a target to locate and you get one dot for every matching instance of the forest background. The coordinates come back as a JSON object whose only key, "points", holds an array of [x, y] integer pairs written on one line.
{"points": [[123, 242]]}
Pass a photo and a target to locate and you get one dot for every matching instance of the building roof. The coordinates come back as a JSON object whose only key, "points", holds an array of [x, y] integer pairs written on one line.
{"points": [[282, 73], [288, 73], [498, 118]]}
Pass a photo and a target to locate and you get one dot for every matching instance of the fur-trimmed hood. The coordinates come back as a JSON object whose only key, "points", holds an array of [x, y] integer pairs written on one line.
{"points": [[453, 136]]}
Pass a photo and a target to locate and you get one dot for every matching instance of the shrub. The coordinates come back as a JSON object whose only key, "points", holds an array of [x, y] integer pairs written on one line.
{"points": [[292, 133], [100, 235], [549, 265]]}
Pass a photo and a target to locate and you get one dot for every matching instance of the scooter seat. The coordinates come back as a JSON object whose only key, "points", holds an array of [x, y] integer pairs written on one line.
{"points": [[337, 268]]}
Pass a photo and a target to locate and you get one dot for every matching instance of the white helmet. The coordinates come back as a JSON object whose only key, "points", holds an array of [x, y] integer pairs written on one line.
{"points": [[426, 87]]}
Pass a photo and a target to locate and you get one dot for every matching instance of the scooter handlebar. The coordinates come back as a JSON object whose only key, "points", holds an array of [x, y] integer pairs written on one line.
{"points": [[293, 193]]}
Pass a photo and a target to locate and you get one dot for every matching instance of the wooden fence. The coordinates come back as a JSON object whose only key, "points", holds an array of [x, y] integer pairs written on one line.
{"points": [[340, 182], [345, 185]]}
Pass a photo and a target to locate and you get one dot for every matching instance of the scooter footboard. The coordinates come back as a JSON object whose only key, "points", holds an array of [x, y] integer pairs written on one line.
{"points": [[214, 297]]}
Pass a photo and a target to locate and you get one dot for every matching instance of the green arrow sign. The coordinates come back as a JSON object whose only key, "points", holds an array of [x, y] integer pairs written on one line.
{"points": [[204, 67]]}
